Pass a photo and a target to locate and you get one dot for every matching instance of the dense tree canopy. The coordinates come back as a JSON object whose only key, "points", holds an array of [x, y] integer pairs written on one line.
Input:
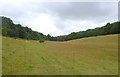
{"points": [[18, 31]]}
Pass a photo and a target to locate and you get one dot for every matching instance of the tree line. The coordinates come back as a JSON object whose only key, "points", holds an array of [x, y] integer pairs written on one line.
{"points": [[18, 31], [113, 28]]}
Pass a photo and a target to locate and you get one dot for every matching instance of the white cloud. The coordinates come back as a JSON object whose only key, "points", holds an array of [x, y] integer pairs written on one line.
{"points": [[57, 18], [43, 23]]}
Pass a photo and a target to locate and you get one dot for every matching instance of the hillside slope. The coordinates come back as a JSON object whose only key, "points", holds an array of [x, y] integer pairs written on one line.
{"points": [[10, 29], [87, 56]]}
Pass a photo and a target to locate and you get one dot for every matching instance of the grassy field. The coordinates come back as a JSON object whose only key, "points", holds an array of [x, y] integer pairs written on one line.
{"points": [[87, 56], [0, 56]]}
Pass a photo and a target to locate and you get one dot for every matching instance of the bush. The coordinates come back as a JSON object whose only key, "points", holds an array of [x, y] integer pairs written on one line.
{"points": [[41, 40]]}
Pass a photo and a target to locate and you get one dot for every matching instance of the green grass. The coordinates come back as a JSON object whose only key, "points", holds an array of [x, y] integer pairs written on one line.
{"points": [[0, 56], [87, 56]]}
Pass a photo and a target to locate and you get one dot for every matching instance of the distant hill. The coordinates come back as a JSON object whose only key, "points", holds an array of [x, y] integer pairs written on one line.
{"points": [[18, 31], [113, 28]]}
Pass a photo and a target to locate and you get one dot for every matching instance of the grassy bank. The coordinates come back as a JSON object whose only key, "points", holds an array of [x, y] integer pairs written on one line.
{"points": [[87, 56]]}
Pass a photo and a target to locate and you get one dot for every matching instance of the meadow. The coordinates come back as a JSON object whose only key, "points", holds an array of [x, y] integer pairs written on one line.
{"points": [[87, 56], [0, 56]]}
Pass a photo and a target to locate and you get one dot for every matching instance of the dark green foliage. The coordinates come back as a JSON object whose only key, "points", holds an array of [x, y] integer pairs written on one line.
{"points": [[17, 31], [113, 28], [48, 37], [41, 40]]}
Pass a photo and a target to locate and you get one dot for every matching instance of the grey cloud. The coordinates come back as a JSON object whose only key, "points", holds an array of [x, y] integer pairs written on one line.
{"points": [[82, 10], [97, 12]]}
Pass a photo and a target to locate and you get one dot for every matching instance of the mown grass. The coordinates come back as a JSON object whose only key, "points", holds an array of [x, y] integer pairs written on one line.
{"points": [[87, 56]]}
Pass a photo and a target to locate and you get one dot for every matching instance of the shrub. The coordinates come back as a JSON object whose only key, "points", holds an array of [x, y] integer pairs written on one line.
{"points": [[41, 40]]}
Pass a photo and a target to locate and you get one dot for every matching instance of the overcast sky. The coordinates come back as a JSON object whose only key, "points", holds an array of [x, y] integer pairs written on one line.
{"points": [[59, 18]]}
